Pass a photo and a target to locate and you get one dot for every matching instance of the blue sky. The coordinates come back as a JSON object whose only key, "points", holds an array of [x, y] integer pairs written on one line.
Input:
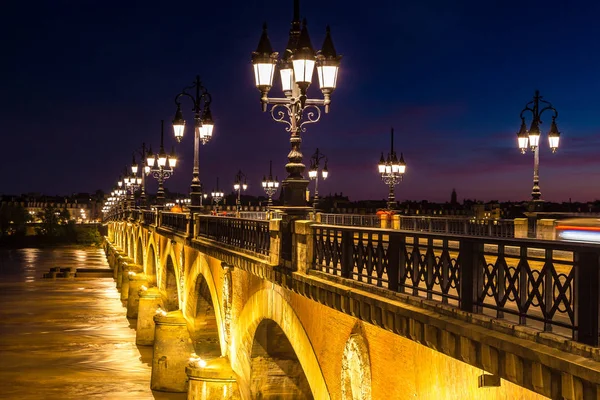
{"points": [[86, 82]]}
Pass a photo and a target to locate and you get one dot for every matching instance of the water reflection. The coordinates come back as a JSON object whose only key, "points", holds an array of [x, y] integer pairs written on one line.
{"points": [[67, 339]]}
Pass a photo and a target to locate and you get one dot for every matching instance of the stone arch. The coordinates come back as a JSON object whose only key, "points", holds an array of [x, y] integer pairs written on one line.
{"points": [[131, 250], [150, 266], [275, 369], [169, 285], [356, 369], [139, 253], [204, 311], [204, 330], [269, 304]]}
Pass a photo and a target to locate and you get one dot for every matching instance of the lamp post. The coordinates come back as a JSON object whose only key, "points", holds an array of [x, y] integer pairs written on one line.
{"points": [[270, 185], [217, 196], [295, 110], [161, 165], [238, 186], [313, 173], [203, 129], [145, 171], [132, 183], [531, 138], [392, 170]]}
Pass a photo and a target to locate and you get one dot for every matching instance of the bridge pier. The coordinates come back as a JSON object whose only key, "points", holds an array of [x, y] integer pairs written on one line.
{"points": [[214, 379], [149, 301], [172, 349], [133, 299], [122, 263]]}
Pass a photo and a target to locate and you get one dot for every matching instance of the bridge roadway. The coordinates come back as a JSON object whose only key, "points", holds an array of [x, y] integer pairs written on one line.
{"points": [[356, 313]]}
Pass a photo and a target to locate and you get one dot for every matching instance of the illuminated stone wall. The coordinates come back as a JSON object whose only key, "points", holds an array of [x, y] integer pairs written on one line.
{"points": [[332, 348]]}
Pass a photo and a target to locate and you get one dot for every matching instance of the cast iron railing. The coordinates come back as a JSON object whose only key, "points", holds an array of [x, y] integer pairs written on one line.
{"points": [[450, 225], [135, 215], [459, 226], [546, 285], [174, 221], [373, 221], [247, 234], [149, 217], [260, 215]]}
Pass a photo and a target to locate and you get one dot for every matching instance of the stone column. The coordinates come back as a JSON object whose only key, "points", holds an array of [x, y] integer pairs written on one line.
{"points": [[213, 379], [275, 241], [520, 228], [384, 218], [304, 245], [129, 270], [396, 221], [149, 301], [133, 299], [546, 229], [172, 349]]}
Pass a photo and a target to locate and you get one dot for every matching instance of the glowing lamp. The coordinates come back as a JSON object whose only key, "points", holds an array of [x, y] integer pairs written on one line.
{"points": [[553, 136], [523, 137], [328, 64], [534, 134], [264, 60], [178, 124]]}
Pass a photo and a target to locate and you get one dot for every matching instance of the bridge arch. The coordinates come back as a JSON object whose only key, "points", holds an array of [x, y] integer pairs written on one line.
{"points": [[204, 311], [139, 252], [356, 369], [150, 266], [131, 249], [270, 316], [168, 285]]}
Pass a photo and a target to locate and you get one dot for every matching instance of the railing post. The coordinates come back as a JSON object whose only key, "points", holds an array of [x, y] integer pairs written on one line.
{"points": [[471, 274], [394, 248], [587, 296], [347, 249]]}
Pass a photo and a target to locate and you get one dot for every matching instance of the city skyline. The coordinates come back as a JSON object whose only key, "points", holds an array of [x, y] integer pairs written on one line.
{"points": [[90, 83]]}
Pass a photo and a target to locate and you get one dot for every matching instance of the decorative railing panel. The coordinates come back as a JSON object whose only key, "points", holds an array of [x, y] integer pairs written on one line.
{"points": [[547, 285], [351, 220], [246, 234], [174, 221], [149, 217], [260, 215], [450, 225]]}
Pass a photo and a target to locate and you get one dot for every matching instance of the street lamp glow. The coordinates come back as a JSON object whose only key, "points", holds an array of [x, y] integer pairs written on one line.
{"points": [[203, 131], [313, 173], [270, 185], [537, 107], [173, 158], [295, 109], [328, 65], [178, 124], [391, 171], [264, 60]]}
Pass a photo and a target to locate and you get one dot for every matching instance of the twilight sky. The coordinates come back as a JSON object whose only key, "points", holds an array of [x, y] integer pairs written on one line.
{"points": [[85, 82]]}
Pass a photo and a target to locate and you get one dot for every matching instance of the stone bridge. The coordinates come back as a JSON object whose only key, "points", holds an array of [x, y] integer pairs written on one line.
{"points": [[235, 308]]}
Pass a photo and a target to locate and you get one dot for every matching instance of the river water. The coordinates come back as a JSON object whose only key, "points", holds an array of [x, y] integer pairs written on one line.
{"points": [[67, 339]]}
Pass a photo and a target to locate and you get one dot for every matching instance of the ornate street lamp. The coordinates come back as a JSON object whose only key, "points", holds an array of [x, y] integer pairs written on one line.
{"points": [[203, 130], [270, 185], [296, 68], [313, 173], [161, 166], [531, 138], [132, 183], [392, 169], [238, 186], [145, 170], [217, 196]]}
